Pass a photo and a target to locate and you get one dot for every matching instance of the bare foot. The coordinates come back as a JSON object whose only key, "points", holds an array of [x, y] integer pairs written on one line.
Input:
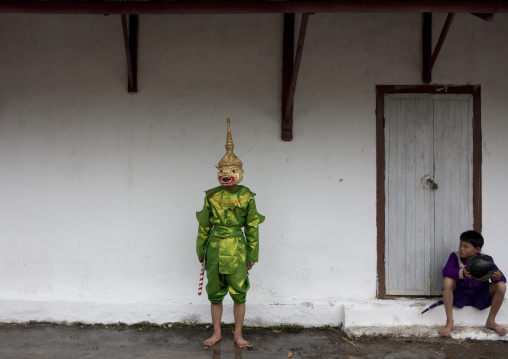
{"points": [[494, 326], [446, 329], [242, 343], [213, 339]]}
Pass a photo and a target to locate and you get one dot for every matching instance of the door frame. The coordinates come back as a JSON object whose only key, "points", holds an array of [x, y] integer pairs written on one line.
{"points": [[381, 91]]}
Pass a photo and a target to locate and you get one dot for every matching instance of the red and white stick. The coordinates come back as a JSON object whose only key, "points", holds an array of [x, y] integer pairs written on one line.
{"points": [[200, 288]]}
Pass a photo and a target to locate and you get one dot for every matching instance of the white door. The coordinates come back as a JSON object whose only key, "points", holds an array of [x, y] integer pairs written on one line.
{"points": [[428, 187]]}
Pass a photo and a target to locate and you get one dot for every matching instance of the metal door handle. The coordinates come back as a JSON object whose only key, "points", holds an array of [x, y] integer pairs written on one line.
{"points": [[432, 183]]}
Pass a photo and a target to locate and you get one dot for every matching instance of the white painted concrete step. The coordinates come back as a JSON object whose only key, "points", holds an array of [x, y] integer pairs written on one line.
{"points": [[469, 332], [401, 317]]}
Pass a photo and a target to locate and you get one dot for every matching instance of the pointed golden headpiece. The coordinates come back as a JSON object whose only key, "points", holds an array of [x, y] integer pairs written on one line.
{"points": [[230, 158]]}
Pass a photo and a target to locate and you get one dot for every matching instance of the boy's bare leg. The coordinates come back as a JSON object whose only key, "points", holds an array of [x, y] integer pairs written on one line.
{"points": [[216, 310], [497, 291], [448, 288], [239, 312]]}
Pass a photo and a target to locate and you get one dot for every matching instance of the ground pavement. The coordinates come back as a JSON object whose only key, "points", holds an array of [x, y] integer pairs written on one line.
{"points": [[46, 340]]}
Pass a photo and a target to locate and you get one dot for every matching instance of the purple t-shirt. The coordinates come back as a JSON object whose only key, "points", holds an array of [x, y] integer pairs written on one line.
{"points": [[452, 269]]}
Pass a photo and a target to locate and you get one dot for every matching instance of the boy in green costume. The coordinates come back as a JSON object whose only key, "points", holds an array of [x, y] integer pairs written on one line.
{"points": [[228, 253]]}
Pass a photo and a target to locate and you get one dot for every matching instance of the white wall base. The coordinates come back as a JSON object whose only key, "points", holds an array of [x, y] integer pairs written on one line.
{"points": [[470, 332], [401, 317], [308, 314]]}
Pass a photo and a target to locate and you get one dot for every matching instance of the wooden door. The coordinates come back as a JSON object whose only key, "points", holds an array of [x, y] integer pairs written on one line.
{"points": [[428, 144]]}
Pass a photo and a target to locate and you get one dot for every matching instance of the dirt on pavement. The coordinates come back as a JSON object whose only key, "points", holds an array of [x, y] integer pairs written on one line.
{"points": [[47, 340]]}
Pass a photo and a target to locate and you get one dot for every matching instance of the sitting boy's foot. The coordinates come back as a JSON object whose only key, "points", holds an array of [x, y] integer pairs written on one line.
{"points": [[213, 339], [242, 343], [494, 326], [446, 329]]}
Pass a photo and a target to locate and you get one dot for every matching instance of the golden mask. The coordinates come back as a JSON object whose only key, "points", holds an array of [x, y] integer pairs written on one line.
{"points": [[230, 166]]}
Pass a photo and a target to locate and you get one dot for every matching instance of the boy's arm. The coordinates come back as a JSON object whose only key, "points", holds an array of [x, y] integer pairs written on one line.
{"points": [[452, 268], [205, 226], [252, 231], [502, 278]]}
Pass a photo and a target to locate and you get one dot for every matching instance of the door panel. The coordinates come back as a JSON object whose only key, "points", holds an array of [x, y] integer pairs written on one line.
{"points": [[408, 206], [426, 137], [453, 153]]}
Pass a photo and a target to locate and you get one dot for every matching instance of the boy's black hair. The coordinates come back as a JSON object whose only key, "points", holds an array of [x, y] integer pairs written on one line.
{"points": [[473, 237]]}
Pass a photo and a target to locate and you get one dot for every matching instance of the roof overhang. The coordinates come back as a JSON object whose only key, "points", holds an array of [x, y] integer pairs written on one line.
{"points": [[131, 9], [253, 6]]}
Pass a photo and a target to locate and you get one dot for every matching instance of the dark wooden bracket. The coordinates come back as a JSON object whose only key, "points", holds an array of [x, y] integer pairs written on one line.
{"points": [[290, 68], [486, 17], [130, 38], [428, 60]]}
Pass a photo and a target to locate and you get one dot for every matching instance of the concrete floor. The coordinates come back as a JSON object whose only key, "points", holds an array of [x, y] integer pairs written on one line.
{"points": [[41, 340]]}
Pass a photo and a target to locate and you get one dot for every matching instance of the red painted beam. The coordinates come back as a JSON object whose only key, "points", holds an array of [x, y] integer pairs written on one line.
{"points": [[254, 6], [426, 44], [427, 75], [486, 17], [298, 59], [288, 97], [288, 50], [130, 37]]}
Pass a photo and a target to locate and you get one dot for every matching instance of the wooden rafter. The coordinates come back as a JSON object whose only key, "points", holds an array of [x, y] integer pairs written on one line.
{"points": [[486, 17], [288, 44], [130, 38], [290, 69], [428, 64]]}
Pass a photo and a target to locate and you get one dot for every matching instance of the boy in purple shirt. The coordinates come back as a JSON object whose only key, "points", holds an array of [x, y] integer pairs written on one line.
{"points": [[461, 289]]}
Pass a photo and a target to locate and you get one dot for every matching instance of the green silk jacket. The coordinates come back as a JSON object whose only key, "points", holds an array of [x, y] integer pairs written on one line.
{"points": [[220, 236]]}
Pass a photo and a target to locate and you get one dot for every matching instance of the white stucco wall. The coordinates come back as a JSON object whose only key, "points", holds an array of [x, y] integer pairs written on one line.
{"points": [[99, 187]]}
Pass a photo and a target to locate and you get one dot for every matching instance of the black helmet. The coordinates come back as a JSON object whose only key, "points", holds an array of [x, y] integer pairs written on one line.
{"points": [[481, 267]]}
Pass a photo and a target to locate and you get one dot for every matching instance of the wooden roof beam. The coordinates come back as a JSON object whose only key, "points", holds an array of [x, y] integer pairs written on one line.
{"points": [[252, 6]]}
